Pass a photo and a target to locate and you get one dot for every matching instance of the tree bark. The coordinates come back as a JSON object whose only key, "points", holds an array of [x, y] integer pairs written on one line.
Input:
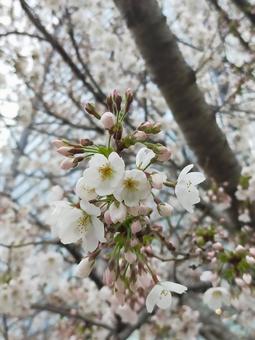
{"points": [[177, 82]]}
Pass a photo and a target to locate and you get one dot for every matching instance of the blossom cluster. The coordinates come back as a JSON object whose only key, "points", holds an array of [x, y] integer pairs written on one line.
{"points": [[115, 205]]}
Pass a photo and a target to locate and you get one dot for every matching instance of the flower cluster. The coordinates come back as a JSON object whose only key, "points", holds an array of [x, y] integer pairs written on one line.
{"points": [[115, 204]]}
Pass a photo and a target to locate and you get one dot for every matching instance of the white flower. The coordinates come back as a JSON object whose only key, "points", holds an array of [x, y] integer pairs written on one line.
{"points": [[144, 158], [134, 187], [84, 268], [118, 212], [161, 296], [216, 297], [185, 190], [105, 174], [84, 190], [74, 224]]}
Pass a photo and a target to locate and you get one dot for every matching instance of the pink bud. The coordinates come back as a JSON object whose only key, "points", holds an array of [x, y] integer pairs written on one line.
{"points": [[217, 246], [164, 154], [165, 209], [64, 150], [250, 259], [84, 268], [107, 217], [108, 277], [239, 249], [143, 210], [58, 143], [239, 282], [136, 226], [252, 251], [140, 136], [130, 257], [108, 120], [67, 164]]}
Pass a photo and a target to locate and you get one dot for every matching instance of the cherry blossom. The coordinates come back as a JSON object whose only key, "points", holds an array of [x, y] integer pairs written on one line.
{"points": [[185, 189], [133, 188], [104, 174], [216, 297], [161, 295], [74, 224]]}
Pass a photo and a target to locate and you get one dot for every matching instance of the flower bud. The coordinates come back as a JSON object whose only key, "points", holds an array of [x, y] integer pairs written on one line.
{"points": [[252, 251], [217, 246], [107, 218], [86, 142], [136, 227], [165, 209], [58, 143], [129, 98], [130, 257], [64, 151], [67, 164], [140, 136], [90, 109], [164, 154], [84, 268], [239, 282], [239, 249], [108, 120], [108, 277], [250, 260], [157, 180], [247, 278]]}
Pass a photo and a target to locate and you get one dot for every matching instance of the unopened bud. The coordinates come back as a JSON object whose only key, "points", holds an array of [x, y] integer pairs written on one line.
{"points": [[108, 120], [165, 209], [107, 218], [58, 143], [64, 151], [84, 268], [130, 257], [164, 154], [86, 142], [67, 164], [90, 109], [129, 98], [136, 227], [250, 260], [117, 99], [140, 136]]}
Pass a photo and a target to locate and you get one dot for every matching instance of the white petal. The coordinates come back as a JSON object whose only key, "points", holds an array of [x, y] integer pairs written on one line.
{"points": [[184, 172], [173, 287], [144, 157], [90, 208], [164, 301], [97, 161], [91, 177], [195, 177], [90, 241], [84, 268], [84, 191], [98, 229], [152, 298]]}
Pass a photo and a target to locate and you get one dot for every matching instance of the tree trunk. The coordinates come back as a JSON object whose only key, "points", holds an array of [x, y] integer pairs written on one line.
{"points": [[177, 82]]}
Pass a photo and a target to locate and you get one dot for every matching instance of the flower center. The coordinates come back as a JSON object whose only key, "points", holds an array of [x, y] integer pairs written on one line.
{"points": [[217, 294], [165, 292], [130, 184], [105, 172], [83, 223]]}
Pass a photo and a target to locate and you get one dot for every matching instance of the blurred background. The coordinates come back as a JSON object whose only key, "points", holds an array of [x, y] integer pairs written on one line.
{"points": [[54, 57]]}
